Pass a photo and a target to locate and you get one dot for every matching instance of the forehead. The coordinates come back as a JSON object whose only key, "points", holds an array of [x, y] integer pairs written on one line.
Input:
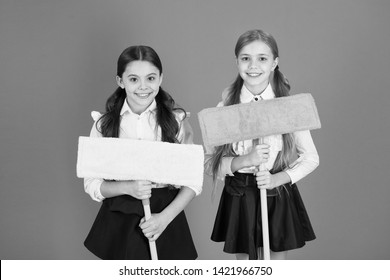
{"points": [[256, 48], [141, 68]]}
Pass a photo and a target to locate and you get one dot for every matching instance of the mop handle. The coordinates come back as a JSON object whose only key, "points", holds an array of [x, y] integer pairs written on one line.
{"points": [[148, 214], [264, 211]]}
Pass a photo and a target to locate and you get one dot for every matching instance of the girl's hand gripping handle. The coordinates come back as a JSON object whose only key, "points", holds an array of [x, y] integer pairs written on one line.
{"points": [[148, 214], [264, 211]]}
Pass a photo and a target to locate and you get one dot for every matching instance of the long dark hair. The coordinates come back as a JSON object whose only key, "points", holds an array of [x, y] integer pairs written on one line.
{"points": [[281, 88], [110, 121]]}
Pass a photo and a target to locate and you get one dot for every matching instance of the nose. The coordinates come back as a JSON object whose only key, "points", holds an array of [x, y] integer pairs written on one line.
{"points": [[142, 85], [253, 64]]}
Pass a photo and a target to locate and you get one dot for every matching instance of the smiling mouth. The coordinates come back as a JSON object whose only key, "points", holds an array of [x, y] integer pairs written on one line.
{"points": [[143, 95], [253, 74]]}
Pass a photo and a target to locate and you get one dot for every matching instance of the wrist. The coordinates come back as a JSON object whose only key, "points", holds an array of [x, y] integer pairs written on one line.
{"points": [[240, 162], [247, 161], [281, 178], [124, 187]]}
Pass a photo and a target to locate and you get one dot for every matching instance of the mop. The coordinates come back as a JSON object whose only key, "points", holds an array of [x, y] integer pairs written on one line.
{"points": [[127, 159], [223, 125]]}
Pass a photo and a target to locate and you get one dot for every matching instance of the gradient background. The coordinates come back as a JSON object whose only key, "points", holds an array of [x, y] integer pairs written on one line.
{"points": [[58, 63]]}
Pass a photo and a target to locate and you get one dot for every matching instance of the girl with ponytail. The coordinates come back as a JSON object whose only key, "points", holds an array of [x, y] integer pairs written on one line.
{"points": [[288, 158], [140, 109]]}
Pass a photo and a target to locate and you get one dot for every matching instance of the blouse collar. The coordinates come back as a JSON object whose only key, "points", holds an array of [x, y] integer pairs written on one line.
{"points": [[126, 108], [246, 96]]}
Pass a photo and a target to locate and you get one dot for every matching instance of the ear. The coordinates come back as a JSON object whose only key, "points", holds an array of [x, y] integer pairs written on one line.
{"points": [[276, 62], [161, 79], [119, 82]]}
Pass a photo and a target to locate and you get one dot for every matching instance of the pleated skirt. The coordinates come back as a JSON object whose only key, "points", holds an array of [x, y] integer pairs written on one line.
{"points": [[238, 220], [116, 235]]}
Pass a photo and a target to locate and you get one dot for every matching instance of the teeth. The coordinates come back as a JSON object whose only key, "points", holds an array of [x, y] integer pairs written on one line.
{"points": [[253, 74], [142, 94]]}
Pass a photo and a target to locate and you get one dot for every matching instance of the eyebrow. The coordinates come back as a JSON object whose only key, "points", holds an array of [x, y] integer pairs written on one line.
{"points": [[150, 74], [260, 54]]}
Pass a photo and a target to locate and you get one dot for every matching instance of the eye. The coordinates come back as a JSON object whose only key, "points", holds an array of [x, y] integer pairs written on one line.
{"points": [[244, 58], [133, 79], [152, 78], [263, 58]]}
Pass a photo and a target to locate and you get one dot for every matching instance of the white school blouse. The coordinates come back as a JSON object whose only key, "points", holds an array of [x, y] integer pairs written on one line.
{"points": [[141, 127], [307, 160]]}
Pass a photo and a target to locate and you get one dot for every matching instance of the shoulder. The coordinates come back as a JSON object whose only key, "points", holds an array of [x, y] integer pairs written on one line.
{"points": [[185, 133], [96, 115], [224, 96], [181, 115], [96, 126], [225, 93]]}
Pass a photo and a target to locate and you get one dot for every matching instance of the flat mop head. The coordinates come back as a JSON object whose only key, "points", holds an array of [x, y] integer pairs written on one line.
{"points": [[127, 159], [229, 124]]}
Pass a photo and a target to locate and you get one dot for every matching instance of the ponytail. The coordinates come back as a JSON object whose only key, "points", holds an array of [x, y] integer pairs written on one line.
{"points": [[280, 84], [234, 92], [281, 88], [233, 97], [166, 119], [110, 120]]}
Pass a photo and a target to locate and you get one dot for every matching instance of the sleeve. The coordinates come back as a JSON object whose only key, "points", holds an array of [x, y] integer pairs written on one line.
{"points": [[225, 167], [186, 134], [92, 185], [308, 159]]}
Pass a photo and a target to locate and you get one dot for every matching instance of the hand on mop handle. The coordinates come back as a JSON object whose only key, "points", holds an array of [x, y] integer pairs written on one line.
{"points": [[265, 180], [264, 208], [139, 189], [258, 155], [153, 225], [152, 243]]}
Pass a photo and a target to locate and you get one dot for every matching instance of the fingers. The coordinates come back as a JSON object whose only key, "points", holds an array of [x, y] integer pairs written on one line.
{"points": [[262, 149], [144, 193], [154, 237], [150, 230], [153, 227], [263, 146], [144, 196], [146, 184], [263, 179], [143, 189]]}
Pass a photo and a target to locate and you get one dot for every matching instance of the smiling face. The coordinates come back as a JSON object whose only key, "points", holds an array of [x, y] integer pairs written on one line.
{"points": [[141, 81], [255, 64]]}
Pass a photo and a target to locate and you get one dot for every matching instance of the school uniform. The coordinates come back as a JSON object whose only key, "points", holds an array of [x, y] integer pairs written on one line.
{"points": [[238, 220], [115, 233]]}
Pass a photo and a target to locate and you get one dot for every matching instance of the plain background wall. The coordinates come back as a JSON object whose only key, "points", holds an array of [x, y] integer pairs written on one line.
{"points": [[58, 63]]}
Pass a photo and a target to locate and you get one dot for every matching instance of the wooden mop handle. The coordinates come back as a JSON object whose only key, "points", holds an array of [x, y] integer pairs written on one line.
{"points": [[264, 212], [148, 214]]}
